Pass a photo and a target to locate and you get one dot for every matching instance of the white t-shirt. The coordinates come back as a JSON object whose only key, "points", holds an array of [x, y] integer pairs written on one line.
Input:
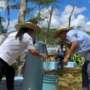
{"points": [[11, 48], [82, 38]]}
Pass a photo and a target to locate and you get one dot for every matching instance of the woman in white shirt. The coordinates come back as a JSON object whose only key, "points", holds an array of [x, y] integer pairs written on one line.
{"points": [[78, 42], [13, 46]]}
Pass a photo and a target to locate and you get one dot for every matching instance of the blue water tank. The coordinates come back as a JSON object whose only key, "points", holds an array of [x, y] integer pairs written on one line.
{"points": [[50, 82]]}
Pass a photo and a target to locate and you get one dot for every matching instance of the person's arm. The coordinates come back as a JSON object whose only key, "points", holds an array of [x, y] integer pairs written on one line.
{"points": [[31, 48], [34, 52], [71, 51]]}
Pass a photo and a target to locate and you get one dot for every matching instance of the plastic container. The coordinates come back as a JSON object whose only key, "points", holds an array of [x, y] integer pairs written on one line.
{"points": [[50, 82], [50, 65], [71, 64], [18, 80]]}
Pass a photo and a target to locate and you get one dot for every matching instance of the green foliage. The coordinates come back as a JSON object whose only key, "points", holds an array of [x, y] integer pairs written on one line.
{"points": [[88, 33], [42, 35], [43, 1], [78, 59]]}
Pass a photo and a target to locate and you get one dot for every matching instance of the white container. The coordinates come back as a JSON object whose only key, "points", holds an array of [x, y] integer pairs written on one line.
{"points": [[50, 65], [52, 50], [71, 64]]}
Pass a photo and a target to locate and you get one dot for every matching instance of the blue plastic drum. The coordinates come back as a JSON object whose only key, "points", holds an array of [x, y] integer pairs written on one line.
{"points": [[50, 82]]}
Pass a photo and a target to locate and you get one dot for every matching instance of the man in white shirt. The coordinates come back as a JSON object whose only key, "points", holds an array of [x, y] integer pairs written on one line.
{"points": [[14, 45], [78, 42]]}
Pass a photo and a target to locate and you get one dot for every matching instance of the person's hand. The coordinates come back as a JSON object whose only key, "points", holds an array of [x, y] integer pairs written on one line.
{"points": [[43, 56], [36, 53], [65, 60]]}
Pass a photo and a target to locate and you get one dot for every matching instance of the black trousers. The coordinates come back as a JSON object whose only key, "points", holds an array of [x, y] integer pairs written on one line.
{"points": [[8, 72], [86, 76]]}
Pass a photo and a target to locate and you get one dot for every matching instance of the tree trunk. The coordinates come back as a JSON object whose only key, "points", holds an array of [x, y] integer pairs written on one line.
{"points": [[49, 23], [22, 11], [69, 25]]}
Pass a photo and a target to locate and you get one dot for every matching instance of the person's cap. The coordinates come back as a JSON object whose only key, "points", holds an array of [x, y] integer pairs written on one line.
{"points": [[29, 25], [61, 31]]}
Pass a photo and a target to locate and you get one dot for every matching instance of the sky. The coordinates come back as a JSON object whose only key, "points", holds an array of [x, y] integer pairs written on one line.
{"points": [[62, 10]]}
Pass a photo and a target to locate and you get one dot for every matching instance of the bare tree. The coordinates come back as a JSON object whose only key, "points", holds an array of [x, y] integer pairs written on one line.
{"points": [[22, 11], [49, 22], [69, 24]]}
